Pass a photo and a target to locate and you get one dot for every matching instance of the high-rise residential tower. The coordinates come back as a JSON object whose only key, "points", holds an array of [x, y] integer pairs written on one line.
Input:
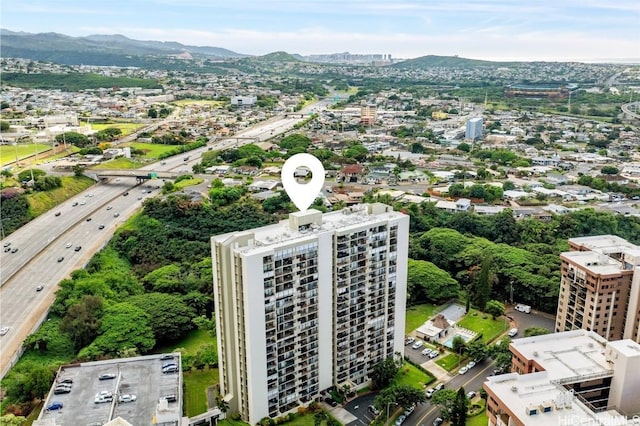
{"points": [[600, 287], [474, 128], [307, 304]]}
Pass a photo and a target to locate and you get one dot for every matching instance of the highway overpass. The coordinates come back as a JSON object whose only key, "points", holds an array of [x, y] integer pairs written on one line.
{"points": [[632, 110]]}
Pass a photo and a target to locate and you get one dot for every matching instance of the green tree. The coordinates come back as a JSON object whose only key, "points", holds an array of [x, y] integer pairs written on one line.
{"points": [[459, 408], [444, 398], [82, 320], [609, 170], [152, 113], [78, 169], [507, 185], [482, 287], [39, 381], [383, 372], [477, 350], [426, 281], [172, 318], [25, 175], [494, 308], [356, 151], [4, 126], [458, 345], [535, 331], [124, 327], [464, 147], [74, 138], [12, 420]]}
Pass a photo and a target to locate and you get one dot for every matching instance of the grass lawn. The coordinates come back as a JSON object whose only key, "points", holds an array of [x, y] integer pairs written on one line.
{"points": [[153, 150], [410, 375], [448, 362], [126, 127], [8, 153], [41, 202], [418, 315], [489, 328], [196, 385], [229, 422], [191, 343], [183, 102], [479, 420], [188, 182], [118, 163]]}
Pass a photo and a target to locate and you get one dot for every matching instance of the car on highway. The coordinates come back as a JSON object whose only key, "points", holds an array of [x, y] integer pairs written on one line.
{"points": [[463, 370], [82, 203], [60, 259], [68, 245], [7, 244], [513, 332], [40, 287], [78, 248], [109, 207], [418, 344], [7, 249], [125, 194], [101, 227], [54, 406], [4, 330], [116, 214], [14, 250], [127, 398], [88, 219], [74, 204], [106, 376], [58, 213]]}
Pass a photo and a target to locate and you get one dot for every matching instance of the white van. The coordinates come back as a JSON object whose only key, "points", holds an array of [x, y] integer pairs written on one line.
{"points": [[523, 308], [513, 332]]}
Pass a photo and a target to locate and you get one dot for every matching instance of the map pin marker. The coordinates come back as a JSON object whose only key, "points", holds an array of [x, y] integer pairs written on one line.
{"points": [[304, 194]]}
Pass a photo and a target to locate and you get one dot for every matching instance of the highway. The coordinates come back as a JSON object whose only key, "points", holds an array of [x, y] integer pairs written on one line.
{"points": [[42, 242]]}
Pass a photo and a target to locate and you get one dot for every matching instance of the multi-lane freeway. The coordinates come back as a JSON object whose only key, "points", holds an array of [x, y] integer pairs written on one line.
{"points": [[43, 258]]}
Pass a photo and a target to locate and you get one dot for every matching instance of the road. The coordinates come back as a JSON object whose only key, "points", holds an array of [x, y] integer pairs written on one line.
{"points": [[42, 242]]}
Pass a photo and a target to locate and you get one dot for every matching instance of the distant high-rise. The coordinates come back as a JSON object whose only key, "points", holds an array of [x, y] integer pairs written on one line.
{"points": [[474, 128], [306, 304], [600, 287]]}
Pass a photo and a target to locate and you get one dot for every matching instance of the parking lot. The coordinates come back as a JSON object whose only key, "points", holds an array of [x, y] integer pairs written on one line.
{"points": [[140, 376]]}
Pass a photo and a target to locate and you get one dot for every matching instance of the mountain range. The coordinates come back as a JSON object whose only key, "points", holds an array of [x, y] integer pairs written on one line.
{"points": [[118, 50]]}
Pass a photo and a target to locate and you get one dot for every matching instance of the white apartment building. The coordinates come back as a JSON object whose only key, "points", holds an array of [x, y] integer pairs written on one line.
{"points": [[307, 304], [569, 378]]}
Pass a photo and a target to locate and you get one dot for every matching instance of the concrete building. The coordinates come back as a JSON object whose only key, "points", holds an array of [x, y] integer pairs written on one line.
{"points": [[243, 100], [140, 390], [474, 128], [307, 304], [368, 115], [600, 287], [570, 378]]}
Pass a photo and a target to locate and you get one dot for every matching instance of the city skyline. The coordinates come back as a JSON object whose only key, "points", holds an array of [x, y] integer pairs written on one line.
{"points": [[488, 29]]}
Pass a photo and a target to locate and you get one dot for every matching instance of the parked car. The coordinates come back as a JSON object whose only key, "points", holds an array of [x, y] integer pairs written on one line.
{"points": [[471, 364], [430, 392], [106, 376], [418, 344], [523, 308], [127, 398], [408, 411], [439, 386], [463, 370], [438, 421], [409, 340], [170, 398], [513, 332], [434, 354], [54, 406], [373, 410], [66, 380], [471, 394], [61, 390], [426, 351], [166, 357], [400, 420], [170, 369], [331, 402]]}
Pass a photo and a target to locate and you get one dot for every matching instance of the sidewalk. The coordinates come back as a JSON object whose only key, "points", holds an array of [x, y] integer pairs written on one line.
{"points": [[438, 372]]}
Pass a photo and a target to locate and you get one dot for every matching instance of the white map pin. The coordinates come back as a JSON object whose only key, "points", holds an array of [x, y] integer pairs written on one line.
{"points": [[304, 194]]}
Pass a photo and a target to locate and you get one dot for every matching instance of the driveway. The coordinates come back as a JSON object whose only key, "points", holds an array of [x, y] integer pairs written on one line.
{"points": [[357, 408], [534, 319]]}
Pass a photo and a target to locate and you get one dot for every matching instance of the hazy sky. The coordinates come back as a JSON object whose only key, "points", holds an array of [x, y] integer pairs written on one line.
{"points": [[483, 29]]}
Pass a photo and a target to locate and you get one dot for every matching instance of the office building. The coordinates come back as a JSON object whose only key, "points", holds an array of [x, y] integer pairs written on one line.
{"points": [[569, 378], [600, 287], [307, 304], [474, 128], [368, 115]]}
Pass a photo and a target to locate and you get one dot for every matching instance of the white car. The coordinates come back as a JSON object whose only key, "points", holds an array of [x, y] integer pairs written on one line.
{"points": [[409, 340], [430, 392], [127, 398], [4, 330], [433, 354], [463, 370], [426, 351], [418, 344], [513, 332], [471, 364], [68, 245]]}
